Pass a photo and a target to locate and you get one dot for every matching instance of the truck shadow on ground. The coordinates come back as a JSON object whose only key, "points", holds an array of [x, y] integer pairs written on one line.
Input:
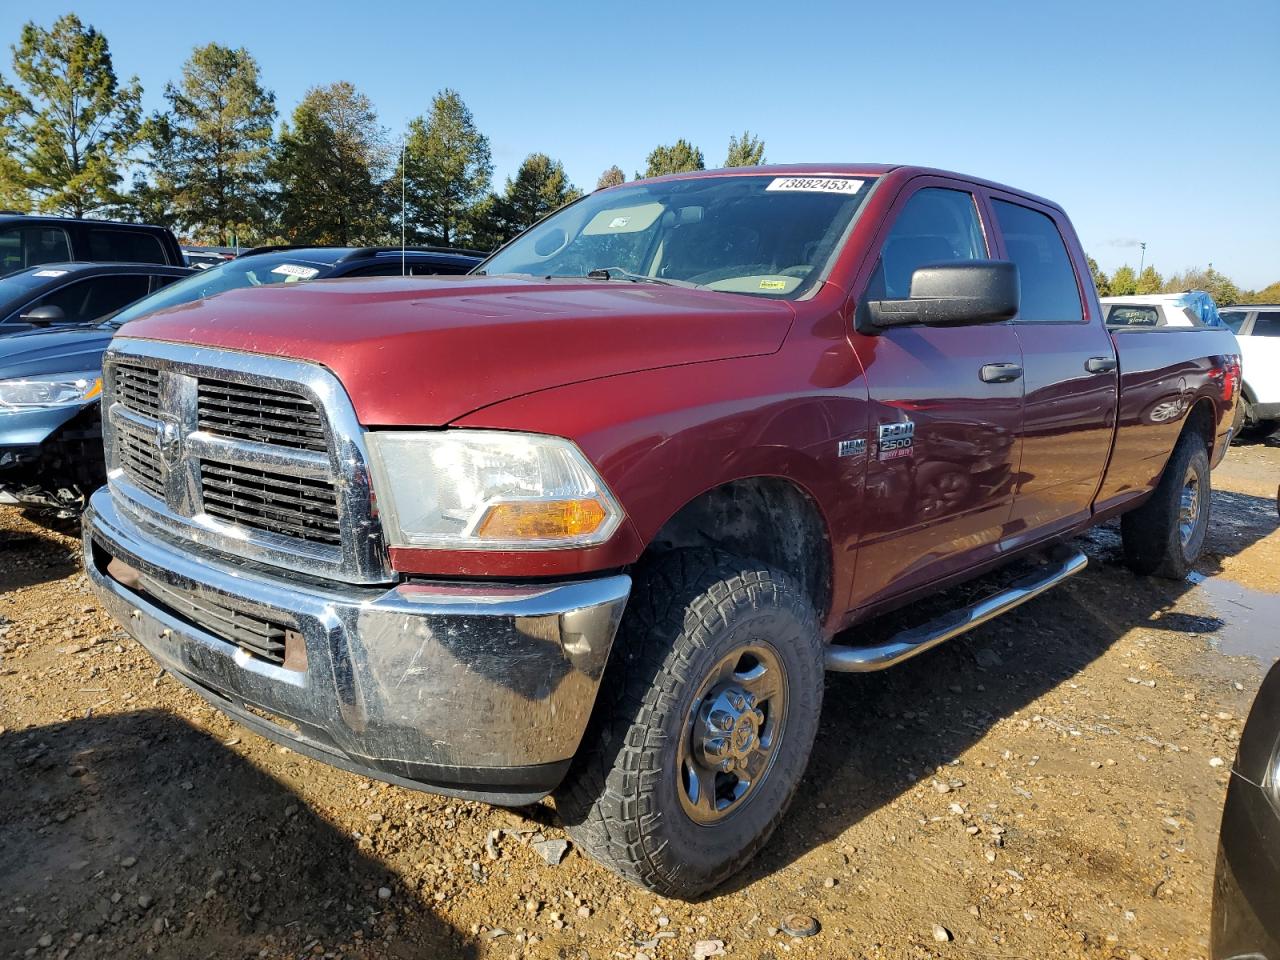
{"points": [[141, 834], [882, 733]]}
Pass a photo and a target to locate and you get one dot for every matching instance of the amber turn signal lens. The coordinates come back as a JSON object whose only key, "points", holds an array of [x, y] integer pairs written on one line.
{"points": [[540, 520]]}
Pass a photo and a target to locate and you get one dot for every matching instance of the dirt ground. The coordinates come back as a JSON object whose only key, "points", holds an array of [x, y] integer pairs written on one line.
{"points": [[1049, 786]]}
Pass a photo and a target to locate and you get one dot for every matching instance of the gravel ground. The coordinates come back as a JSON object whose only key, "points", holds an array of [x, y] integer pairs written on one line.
{"points": [[1048, 786]]}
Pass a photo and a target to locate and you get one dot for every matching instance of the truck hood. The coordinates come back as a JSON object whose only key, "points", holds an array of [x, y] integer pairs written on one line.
{"points": [[425, 351], [67, 350]]}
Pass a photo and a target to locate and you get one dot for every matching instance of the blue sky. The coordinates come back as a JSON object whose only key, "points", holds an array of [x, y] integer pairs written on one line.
{"points": [[1152, 121]]}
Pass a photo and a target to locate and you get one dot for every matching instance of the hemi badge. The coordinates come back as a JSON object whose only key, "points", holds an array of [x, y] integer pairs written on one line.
{"points": [[851, 448]]}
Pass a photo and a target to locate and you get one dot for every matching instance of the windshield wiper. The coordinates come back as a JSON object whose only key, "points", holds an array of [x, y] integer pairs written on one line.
{"points": [[617, 273]]}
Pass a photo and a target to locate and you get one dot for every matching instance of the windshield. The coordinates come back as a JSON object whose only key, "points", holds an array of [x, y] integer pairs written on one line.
{"points": [[759, 235], [252, 271]]}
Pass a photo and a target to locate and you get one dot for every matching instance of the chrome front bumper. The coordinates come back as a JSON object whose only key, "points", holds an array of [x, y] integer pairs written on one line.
{"points": [[474, 690]]}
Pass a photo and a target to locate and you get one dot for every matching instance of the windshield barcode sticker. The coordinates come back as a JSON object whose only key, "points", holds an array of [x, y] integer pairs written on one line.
{"points": [[816, 185], [293, 270]]}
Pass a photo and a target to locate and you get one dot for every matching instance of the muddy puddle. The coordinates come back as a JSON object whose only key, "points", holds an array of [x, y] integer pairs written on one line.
{"points": [[1249, 620]]}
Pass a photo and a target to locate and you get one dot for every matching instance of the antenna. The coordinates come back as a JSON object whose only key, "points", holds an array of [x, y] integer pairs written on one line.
{"points": [[404, 143]]}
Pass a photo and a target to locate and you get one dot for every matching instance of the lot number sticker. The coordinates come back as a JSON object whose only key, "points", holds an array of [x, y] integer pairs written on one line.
{"points": [[293, 270], [815, 185]]}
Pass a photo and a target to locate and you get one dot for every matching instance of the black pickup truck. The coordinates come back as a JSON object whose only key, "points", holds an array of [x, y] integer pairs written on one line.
{"points": [[28, 241]]}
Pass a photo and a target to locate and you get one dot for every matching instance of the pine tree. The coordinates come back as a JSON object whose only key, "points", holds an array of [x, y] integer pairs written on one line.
{"points": [[1124, 282], [447, 169], [330, 164], [611, 178], [209, 151], [747, 151], [680, 156], [1149, 281], [70, 126]]}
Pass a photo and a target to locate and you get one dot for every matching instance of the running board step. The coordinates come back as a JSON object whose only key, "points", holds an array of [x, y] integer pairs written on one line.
{"points": [[1062, 562]]}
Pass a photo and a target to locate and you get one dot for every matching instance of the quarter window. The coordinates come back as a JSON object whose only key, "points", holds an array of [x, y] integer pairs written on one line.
{"points": [[1049, 289], [125, 246], [1267, 324], [1234, 320], [935, 226]]}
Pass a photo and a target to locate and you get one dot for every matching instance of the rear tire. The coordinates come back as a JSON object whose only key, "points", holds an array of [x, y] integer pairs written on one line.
{"points": [[706, 719], [1165, 535]]}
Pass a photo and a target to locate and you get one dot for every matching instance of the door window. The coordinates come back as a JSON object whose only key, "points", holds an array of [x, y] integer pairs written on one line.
{"points": [[936, 226], [22, 247], [1267, 324], [125, 246], [1049, 290], [87, 300]]}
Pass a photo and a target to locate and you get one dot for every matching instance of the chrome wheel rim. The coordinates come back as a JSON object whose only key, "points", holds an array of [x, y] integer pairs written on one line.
{"points": [[1189, 507], [732, 732]]}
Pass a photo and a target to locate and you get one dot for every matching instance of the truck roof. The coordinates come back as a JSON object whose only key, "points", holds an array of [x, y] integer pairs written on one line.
{"points": [[905, 171]]}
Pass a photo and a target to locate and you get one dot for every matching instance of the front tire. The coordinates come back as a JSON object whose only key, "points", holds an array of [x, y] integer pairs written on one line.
{"points": [[707, 716], [1165, 535]]}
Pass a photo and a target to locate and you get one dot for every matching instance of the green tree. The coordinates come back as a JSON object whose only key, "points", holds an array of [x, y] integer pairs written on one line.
{"points": [[329, 164], [538, 188], [1149, 281], [745, 151], [1268, 294], [69, 125], [1100, 280], [1124, 282], [611, 178], [1219, 286], [447, 167], [680, 156], [209, 151]]}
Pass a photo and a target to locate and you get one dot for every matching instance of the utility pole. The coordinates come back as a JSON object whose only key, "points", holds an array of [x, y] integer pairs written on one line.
{"points": [[403, 146], [1142, 257]]}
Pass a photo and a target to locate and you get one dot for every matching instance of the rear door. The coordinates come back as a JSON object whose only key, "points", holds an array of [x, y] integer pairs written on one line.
{"points": [[1070, 371], [943, 444], [1261, 350]]}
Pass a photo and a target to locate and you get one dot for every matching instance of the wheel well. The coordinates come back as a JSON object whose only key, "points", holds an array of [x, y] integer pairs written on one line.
{"points": [[766, 518], [1200, 422]]}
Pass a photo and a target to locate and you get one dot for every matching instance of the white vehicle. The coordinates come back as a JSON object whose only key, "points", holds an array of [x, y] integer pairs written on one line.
{"points": [[1156, 310], [1257, 328]]}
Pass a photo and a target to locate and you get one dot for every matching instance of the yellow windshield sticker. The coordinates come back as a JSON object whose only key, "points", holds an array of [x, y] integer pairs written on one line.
{"points": [[773, 284]]}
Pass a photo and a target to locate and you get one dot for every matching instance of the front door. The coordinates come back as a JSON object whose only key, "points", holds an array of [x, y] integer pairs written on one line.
{"points": [[946, 407], [1070, 373]]}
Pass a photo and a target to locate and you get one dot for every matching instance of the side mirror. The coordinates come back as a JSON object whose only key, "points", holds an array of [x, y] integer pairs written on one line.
{"points": [[952, 294], [44, 316]]}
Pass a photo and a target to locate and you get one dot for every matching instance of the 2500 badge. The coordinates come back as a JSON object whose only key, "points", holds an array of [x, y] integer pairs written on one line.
{"points": [[896, 440]]}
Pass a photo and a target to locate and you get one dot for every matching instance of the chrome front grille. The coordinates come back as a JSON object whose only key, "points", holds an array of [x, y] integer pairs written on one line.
{"points": [[138, 388], [299, 507], [139, 456], [260, 414], [253, 456]]}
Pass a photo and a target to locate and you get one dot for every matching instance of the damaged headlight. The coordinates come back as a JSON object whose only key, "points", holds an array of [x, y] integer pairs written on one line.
{"points": [[486, 489], [57, 390]]}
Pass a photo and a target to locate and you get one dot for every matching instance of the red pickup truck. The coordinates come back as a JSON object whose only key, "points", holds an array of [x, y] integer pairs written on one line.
{"points": [[727, 416]]}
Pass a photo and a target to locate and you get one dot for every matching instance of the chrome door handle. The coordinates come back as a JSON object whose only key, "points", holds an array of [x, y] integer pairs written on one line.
{"points": [[1000, 372], [1101, 364]]}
